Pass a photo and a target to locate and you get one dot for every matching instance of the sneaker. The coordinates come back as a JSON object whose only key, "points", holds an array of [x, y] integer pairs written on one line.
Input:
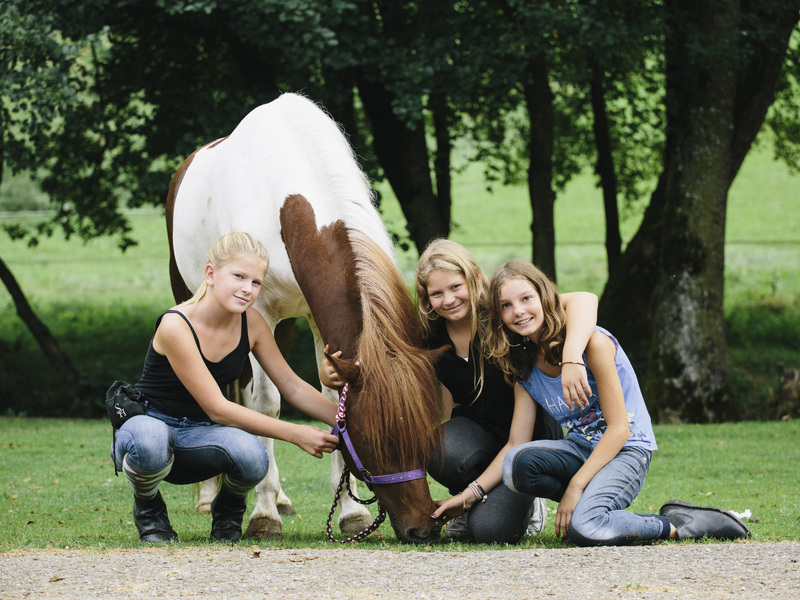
{"points": [[538, 517], [458, 528]]}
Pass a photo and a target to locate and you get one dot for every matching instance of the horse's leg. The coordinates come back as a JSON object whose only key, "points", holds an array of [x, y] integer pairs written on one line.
{"points": [[284, 334], [354, 517], [265, 521], [207, 493]]}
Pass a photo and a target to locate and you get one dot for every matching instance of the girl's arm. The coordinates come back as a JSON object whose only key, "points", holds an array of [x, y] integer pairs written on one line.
{"points": [[600, 355], [581, 309], [174, 339], [521, 432], [297, 392], [448, 404]]}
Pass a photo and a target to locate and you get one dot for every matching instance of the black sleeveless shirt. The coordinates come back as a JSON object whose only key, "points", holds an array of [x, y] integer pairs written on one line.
{"points": [[165, 391]]}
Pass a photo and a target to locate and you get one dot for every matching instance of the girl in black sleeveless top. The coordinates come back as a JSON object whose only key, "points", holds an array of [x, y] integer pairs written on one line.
{"points": [[191, 432]]}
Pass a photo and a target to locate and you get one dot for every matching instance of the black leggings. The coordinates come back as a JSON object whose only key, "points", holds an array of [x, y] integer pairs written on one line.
{"points": [[465, 452]]}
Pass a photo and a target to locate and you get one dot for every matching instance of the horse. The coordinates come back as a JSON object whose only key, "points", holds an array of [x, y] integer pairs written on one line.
{"points": [[288, 175]]}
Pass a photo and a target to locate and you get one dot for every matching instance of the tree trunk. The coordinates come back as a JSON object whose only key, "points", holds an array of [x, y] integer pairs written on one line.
{"points": [[539, 100], [605, 167], [708, 95], [687, 378], [442, 118], [403, 153], [628, 302], [52, 351]]}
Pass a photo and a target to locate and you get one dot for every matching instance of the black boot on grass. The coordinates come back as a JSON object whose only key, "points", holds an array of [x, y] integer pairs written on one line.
{"points": [[151, 519]]}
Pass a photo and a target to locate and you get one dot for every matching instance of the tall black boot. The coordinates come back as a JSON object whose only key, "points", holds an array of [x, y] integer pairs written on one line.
{"points": [[227, 511], [151, 519]]}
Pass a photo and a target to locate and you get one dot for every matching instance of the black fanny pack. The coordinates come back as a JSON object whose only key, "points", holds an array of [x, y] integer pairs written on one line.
{"points": [[123, 401]]}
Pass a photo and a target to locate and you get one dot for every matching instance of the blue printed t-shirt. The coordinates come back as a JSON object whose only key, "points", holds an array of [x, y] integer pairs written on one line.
{"points": [[589, 423]]}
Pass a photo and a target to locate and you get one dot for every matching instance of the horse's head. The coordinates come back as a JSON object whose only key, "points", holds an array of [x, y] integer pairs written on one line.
{"points": [[392, 414], [361, 306]]}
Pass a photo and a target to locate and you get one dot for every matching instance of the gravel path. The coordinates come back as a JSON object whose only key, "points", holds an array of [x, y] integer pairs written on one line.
{"points": [[745, 570]]}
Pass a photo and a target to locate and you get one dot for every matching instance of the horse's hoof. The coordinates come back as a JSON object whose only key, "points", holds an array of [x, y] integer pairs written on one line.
{"points": [[357, 524], [203, 508], [287, 510], [262, 528]]}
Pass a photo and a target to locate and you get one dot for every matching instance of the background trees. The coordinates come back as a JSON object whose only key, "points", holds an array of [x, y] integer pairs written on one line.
{"points": [[660, 98]]}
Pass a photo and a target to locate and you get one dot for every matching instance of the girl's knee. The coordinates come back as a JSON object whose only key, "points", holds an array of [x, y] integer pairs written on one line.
{"points": [[146, 442], [520, 470], [252, 460]]}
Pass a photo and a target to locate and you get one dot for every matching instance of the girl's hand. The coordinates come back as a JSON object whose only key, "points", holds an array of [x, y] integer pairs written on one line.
{"points": [[328, 375], [575, 385], [450, 507], [565, 509], [315, 441]]}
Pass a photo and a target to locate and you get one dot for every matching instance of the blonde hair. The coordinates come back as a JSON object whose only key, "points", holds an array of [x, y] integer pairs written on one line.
{"points": [[450, 257], [230, 247], [511, 352]]}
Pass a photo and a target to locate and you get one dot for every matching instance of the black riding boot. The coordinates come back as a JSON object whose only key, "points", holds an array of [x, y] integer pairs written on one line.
{"points": [[227, 511], [151, 519]]}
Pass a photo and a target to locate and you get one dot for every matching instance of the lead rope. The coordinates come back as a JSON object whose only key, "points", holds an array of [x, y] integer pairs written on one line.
{"points": [[365, 532], [341, 420]]}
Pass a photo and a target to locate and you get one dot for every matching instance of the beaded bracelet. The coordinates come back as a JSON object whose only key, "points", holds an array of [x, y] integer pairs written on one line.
{"points": [[476, 489], [570, 362]]}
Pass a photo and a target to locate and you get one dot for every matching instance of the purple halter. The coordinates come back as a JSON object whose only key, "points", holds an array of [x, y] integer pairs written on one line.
{"points": [[340, 429]]}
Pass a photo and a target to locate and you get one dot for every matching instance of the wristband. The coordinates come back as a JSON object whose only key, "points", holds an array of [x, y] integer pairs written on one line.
{"points": [[476, 489]]}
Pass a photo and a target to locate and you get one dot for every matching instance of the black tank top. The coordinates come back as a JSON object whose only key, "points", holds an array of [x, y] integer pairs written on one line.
{"points": [[165, 391]]}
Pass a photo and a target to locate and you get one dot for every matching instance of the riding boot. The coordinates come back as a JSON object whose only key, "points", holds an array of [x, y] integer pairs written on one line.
{"points": [[227, 511], [149, 510], [151, 519]]}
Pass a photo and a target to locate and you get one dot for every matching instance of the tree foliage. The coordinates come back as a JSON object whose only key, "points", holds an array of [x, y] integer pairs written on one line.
{"points": [[101, 102]]}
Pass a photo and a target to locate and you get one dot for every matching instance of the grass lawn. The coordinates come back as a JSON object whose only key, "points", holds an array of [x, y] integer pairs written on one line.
{"points": [[57, 486], [58, 489]]}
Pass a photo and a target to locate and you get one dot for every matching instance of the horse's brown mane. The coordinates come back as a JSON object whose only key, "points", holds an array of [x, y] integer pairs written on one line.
{"points": [[397, 372]]}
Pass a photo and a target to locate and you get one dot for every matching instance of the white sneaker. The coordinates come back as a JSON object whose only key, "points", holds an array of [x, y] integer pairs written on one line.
{"points": [[538, 517], [457, 528]]}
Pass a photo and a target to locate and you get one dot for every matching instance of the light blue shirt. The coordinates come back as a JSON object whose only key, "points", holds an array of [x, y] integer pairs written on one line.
{"points": [[589, 423]]}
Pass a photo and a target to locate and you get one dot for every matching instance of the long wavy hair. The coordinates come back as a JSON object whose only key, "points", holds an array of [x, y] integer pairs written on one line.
{"points": [[514, 354], [450, 257], [397, 378], [228, 247]]}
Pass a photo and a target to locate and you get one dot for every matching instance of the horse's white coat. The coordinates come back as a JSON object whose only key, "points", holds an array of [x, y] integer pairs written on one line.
{"points": [[239, 183]]}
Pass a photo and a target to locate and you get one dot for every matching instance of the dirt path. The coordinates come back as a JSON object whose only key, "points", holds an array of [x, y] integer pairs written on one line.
{"points": [[745, 570]]}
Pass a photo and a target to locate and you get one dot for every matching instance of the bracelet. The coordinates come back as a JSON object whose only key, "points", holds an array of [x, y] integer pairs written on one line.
{"points": [[570, 362], [463, 502], [476, 489]]}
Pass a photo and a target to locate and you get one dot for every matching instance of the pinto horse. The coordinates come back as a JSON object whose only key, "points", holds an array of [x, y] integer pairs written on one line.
{"points": [[287, 175]]}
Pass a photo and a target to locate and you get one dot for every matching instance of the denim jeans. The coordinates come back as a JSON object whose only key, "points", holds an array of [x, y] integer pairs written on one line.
{"points": [[545, 468], [465, 452], [200, 450]]}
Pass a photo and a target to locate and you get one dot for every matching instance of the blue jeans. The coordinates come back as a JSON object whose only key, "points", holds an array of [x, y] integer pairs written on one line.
{"points": [[544, 468], [200, 450]]}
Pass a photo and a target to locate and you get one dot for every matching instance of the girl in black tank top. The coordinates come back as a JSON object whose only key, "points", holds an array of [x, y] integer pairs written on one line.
{"points": [[191, 432]]}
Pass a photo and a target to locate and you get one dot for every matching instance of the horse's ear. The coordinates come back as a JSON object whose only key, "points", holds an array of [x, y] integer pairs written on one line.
{"points": [[347, 368]]}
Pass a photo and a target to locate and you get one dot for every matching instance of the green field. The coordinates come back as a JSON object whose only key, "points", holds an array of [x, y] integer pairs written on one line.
{"points": [[58, 489]]}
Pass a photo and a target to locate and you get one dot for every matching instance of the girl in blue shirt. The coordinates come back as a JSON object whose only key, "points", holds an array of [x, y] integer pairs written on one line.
{"points": [[597, 470]]}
